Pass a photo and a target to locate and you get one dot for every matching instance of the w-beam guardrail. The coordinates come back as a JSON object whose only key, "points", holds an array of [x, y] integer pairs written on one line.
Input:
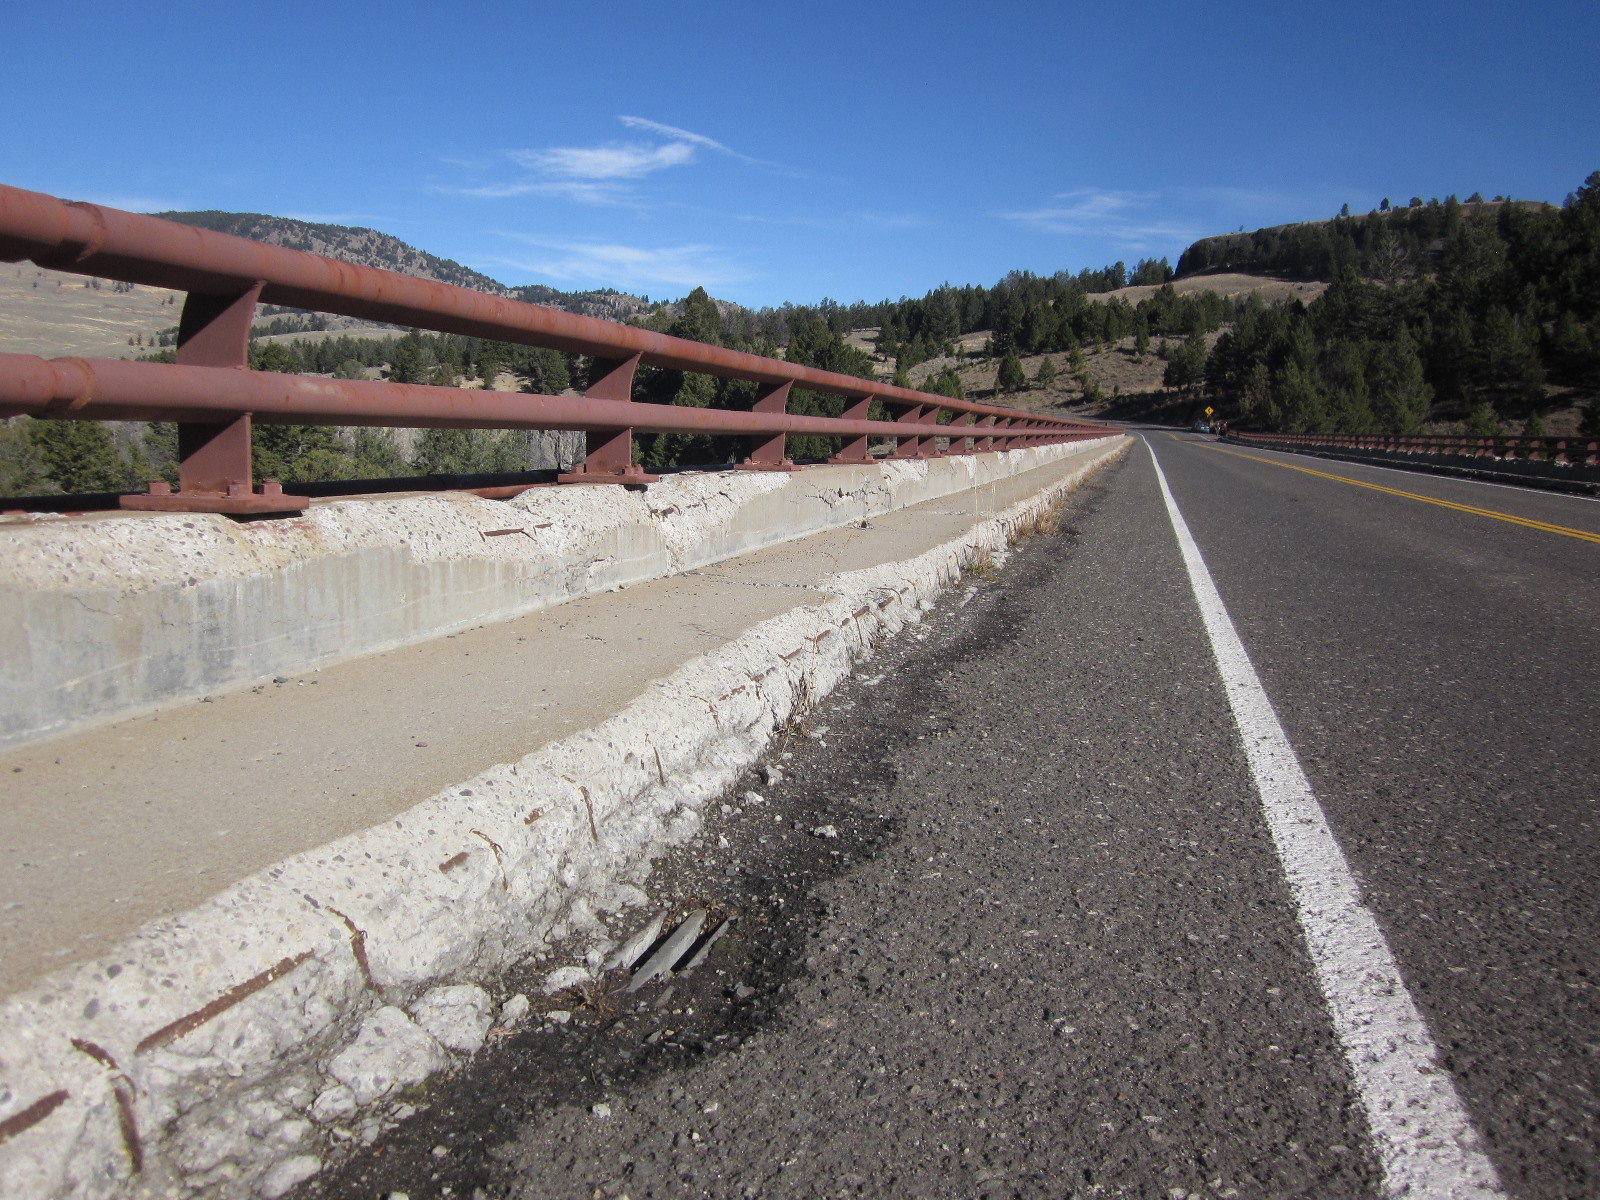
{"points": [[214, 397], [1570, 451]]}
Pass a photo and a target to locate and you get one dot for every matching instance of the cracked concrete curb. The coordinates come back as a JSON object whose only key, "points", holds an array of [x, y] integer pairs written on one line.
{"points": [[232, 1049]]}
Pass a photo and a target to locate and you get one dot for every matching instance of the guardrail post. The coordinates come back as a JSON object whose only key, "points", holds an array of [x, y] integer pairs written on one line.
{"points": [[908, 447], [214, 471], [985, 443], [854, 451], [770, 453], [959, 443], [608, 454]]}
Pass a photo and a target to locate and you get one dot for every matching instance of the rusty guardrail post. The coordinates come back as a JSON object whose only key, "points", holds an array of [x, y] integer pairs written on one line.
{"points": [[960, 443], [608, 454], [908, 447], [984, 439], [770, 453], [214, 468], [854, 452]]}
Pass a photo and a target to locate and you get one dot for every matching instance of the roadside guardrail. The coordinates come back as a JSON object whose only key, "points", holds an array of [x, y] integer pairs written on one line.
{"points": [[214, 398]]}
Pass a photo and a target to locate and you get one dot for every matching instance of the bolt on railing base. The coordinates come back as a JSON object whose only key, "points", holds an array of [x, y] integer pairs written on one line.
{"points": [[238, 500]]}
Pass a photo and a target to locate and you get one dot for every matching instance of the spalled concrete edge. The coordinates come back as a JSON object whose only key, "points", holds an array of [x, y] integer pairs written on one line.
{"points": [[232, 1049], [99, 616]]}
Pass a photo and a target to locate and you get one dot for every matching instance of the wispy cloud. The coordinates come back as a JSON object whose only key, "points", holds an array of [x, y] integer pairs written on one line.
{"points": [[1119, 215], [604, 174], [618, 160], [673, 133], [613, 264], [677, 135]]}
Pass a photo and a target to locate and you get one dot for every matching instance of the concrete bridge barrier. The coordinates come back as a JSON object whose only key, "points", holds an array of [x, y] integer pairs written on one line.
{"points": [[105, 616]]}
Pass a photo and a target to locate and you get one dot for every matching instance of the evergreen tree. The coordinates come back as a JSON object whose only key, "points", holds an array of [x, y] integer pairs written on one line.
{"points": [[1047, 374], [23, 470], [376, 453], [1011, 377], [455, 452], [80, 456], [1482, 421]]}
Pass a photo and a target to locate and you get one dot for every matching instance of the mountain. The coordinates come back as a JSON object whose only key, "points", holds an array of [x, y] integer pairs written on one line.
{"points": [[369, 248], [352, 244]]}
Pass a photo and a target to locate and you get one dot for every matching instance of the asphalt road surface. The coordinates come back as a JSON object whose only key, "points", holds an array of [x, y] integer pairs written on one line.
{"points": [[1077, 935]]}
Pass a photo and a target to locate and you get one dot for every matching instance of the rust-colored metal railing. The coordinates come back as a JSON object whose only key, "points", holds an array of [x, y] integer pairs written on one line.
{"points": [[215, 399]]}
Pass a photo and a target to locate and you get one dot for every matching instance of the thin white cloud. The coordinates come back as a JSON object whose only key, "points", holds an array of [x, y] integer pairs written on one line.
{"points": [[605, 174], [677, 135], [1119, 215], [614, 161], [613, 264]]}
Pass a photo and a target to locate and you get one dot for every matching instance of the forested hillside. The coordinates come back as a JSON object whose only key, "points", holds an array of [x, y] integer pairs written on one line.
{"points": [[1482, 314]]}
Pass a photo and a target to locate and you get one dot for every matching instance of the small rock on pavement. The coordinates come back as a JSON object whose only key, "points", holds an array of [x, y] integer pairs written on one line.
{"points": [[601, 1110], [825, 831], [753, 798], [772, 773], [287, 1174]]}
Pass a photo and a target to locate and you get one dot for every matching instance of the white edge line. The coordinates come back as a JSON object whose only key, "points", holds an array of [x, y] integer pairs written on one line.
{"points": [[1423, 1136]]}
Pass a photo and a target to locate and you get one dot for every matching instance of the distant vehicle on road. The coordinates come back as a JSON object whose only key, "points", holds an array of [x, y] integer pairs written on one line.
{"points": [[1202, 427]]}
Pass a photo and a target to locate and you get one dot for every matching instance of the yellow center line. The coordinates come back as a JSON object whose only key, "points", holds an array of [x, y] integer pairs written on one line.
{"points": [[1544, 526]]}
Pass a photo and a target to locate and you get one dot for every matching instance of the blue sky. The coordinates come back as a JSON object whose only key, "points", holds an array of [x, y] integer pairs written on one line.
{"points": [[792, 152]]}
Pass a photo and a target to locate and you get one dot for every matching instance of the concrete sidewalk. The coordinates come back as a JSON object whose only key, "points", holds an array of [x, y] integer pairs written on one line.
{"points": [[119, 825]]}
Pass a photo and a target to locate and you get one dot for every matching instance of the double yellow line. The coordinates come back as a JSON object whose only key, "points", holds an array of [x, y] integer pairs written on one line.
{"points": [[1542, 526]]}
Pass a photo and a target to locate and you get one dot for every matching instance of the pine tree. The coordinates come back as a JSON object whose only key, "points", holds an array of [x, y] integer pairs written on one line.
{"points": [[79, 456], [23, 471], [1011, 377]]}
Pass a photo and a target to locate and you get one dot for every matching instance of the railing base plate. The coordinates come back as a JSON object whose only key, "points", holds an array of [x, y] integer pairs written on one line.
{"points": [[249, 505], [637, 476]]}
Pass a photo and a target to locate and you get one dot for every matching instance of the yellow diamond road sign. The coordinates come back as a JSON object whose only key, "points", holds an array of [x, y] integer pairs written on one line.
{"points": [[1209, 410]]}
